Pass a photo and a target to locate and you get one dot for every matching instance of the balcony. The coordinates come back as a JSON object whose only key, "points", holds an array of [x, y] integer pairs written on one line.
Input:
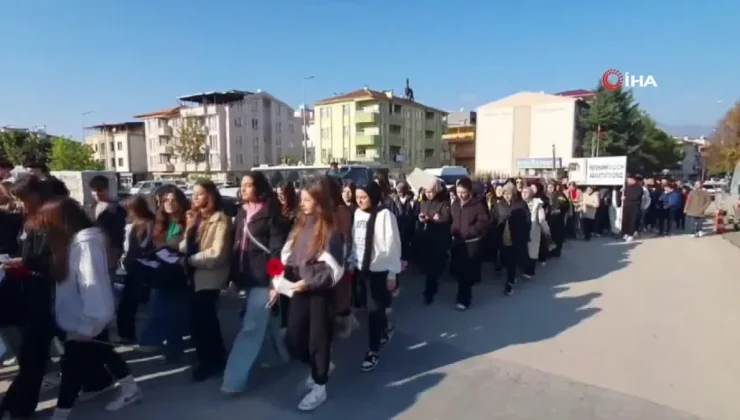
{"points": [[395, 119], [362, 139], [395, 139], [165, 130], [169, 167], [367, 117]]}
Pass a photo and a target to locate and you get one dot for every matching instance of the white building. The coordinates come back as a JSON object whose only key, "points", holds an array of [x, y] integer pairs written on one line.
{"points": [[242, 130], [520, 133], [305, 116], [692, 164], [122, 148]]}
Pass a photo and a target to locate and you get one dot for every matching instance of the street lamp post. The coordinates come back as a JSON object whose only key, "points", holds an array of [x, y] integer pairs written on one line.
{"points": [[82, 140], [303, 119]]}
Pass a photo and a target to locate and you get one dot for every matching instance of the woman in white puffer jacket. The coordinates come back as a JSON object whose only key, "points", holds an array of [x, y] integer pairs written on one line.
{"points": [[538, 227]]}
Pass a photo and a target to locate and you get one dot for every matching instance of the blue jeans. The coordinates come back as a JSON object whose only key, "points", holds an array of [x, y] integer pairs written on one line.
{"points": [[260, 333], [168, 323], [697, 223]]}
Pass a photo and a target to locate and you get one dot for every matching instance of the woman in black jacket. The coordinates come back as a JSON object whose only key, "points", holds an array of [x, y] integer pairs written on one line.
{"points": [[30, 289], [470, 222], [433, 236], [512, 227], [259, 235], [406, 218], [559, 206]]}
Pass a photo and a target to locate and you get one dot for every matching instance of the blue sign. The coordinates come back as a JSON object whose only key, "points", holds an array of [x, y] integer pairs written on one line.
{"points": [[539, 163]]}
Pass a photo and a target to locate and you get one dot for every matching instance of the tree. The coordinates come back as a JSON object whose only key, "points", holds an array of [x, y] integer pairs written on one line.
{"points": [[614, 125], [723, 151], [22, 147], [190, 144], [69, 155]]}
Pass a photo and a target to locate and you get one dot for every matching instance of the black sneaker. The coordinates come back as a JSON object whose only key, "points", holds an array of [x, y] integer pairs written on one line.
{"points": [[509, 290], [387, 334], [370, 362]]}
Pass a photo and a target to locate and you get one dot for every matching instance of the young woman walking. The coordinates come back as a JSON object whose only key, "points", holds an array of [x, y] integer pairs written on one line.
{"points": [[137, 243], [206, 248], [537, 228], [84, 303], [260, 234], [376, 256], [470, 223], [313, 257], [512, 227], [433, 236], [168, 304]]}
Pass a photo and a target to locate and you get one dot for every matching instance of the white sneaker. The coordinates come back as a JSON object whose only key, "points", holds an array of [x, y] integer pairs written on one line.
{"points": [[10, 361], [124, 399], [629, 239], [313, 399], [87, 396], [701, 234], [309, 383]]}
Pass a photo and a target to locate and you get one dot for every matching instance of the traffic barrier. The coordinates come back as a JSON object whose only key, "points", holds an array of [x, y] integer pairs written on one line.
{"points": [[719, 222]]}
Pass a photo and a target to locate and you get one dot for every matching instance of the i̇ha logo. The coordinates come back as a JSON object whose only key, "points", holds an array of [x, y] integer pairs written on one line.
{"points": [[613, 80]]}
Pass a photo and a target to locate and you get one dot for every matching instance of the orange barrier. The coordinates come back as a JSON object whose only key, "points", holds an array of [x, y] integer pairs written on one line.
{"points": [[719, 222]]}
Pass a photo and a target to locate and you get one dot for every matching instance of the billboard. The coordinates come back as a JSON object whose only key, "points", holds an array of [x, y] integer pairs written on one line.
{"points": [[610, 170]]}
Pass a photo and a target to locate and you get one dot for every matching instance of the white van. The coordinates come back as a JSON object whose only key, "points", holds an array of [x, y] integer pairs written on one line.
{"points": [[449, 174]]}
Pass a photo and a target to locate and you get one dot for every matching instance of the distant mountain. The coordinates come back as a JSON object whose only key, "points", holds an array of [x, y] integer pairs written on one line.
{"points": [[686, 130]]}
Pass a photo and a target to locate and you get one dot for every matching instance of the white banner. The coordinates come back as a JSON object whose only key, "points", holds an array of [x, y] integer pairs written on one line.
{"points": [[598, 170]]}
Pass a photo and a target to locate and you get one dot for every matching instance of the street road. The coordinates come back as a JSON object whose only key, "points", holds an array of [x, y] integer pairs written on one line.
{"points": [[646, 330]]}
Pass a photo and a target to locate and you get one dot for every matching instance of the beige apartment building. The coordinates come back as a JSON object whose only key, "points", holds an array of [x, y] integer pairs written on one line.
{"points": [[373, 126], [122, 148], [528, 132], [242, 130]]}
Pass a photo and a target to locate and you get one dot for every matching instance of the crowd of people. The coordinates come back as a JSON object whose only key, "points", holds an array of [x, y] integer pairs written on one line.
{"points": [[342, 249]]}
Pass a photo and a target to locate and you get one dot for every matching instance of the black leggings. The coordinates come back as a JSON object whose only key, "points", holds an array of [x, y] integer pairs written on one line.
{"points": [[79, 358], [205, 329], [377, 299], [310, 331]]}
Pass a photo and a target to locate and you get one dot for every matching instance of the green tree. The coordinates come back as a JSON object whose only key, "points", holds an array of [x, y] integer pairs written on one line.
{"points": [[190, 144], [625, 130], [69, 155], [723, 151], [23, 147]]}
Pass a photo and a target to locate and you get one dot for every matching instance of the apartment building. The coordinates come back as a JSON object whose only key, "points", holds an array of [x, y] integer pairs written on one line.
{"points": [[240, 130], [460, 139], [305, 117], [121, 147], [515, 134], [374, 126]]}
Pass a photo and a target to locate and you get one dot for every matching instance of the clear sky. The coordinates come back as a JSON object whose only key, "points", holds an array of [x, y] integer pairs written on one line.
{"points": [[59, 59]]}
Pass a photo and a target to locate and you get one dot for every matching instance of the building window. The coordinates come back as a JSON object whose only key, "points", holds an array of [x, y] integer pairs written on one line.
{"points": [[255, 124], [290, 128], [213, 141], [279, 141], [239, 159], [112, 163], [278, 127], [239, 140], [278, 108], [111, 146], [255, 106], [120, 145], [345, 110], [238, 122], [120, 161], [161, 123]]}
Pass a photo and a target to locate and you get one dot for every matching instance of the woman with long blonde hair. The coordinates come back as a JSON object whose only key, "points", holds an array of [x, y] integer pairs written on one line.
{"points": [[313, 257]]}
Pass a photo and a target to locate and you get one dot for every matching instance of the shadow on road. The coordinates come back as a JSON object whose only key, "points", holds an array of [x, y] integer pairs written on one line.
{"points": [[428, 339]]}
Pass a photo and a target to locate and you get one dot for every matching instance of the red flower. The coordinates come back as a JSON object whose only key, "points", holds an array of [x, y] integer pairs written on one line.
{"points": [[274, 267]]}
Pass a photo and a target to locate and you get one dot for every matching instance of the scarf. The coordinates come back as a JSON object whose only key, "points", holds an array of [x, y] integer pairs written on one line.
{"points": [[374, 193], [250, 209]]}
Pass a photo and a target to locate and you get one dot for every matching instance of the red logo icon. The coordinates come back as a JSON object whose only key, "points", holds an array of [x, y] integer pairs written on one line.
{"points": [[612, 79]]}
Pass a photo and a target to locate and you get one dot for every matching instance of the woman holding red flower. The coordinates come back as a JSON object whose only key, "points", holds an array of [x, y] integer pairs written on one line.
{"points": [[313, 258]]}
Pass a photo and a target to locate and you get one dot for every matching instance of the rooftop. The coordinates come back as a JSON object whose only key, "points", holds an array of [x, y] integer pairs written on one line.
{"points": [[577, 93], [366, 93], [124, 126], [216, 98], [164, 113]]}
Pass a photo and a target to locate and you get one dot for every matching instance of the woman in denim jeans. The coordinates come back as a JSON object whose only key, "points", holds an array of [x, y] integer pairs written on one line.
{"points": [[260, 232], [169, 299]]}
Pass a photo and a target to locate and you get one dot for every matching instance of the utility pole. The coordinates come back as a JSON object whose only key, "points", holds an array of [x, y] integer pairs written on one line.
{"points": [[82, 140], [303, 118]]}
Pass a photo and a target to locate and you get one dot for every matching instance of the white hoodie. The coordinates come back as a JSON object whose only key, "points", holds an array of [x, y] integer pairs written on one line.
{"points": [[386, 252], [84, 300]]}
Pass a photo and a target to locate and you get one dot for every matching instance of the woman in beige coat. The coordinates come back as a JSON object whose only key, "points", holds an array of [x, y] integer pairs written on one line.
{"points": [[206, 248], [538, 227], [588, 205]]}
